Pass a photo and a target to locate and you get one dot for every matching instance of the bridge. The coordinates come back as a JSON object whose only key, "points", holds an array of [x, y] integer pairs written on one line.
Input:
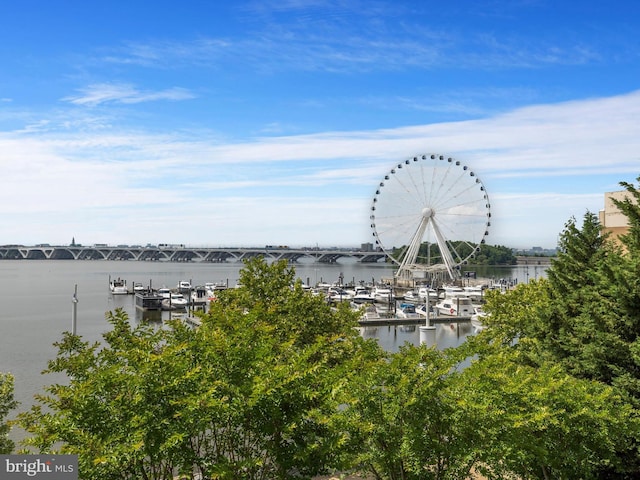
{"points": [[182, 253]]}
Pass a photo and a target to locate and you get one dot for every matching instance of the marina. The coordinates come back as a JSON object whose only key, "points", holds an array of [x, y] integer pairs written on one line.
{"points": [[42, 305]]}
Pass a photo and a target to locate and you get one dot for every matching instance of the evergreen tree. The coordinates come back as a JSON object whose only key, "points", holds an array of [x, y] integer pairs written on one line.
{"points": [[584, 318], [630, 207]]}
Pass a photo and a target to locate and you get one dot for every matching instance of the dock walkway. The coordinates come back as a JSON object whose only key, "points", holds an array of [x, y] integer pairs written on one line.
{"points": [[377, 322], [382, 321]]}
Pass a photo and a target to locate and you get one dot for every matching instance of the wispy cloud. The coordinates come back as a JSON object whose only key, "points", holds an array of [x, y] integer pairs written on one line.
{"points": [[529, 159], [344, 37], [125, 93]]}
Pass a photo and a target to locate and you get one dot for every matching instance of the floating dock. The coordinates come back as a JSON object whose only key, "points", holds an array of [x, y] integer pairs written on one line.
{"points": [[382, 321]]}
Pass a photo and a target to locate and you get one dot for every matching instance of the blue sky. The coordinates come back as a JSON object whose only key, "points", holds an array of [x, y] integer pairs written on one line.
{"points": [[248, 123]]}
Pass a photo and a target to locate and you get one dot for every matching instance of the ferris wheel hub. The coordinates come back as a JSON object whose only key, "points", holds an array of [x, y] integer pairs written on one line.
{"points": [[428, 212]]}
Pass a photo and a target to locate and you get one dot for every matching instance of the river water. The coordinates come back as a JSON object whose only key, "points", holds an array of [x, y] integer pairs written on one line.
{"points": [[37, 304]]}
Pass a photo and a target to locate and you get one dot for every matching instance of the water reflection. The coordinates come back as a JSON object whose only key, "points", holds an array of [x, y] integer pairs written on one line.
{"points": [[392, 337]]}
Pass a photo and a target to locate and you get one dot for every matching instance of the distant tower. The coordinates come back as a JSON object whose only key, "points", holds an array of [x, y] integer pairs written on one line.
{"points": [[73, 241]]}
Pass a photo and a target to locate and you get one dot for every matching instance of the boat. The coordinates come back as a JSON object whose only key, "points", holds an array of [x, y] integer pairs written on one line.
{"points": [[407, 310], [338, 294], [382, 294], [451, 291], [476, 293], [454, 307], [184, 286], [363, 295], [421, 310], [148, 300], [370, 312], [477, 319], [139, 288], [213, 289], [428, 292], [175, 301], [118, 287], [164, 292], [411, 296], [200, 295]]}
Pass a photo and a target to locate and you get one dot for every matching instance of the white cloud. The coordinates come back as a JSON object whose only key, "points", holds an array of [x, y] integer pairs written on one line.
{"points": [[124, 93], [541, 165]]}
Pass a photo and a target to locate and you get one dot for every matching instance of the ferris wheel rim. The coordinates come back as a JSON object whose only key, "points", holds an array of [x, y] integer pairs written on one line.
{"points": [[438, 190]]}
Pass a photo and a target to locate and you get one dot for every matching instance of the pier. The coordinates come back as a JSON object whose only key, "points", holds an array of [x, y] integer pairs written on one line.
{"points": [[397, 321], [377, 322]]}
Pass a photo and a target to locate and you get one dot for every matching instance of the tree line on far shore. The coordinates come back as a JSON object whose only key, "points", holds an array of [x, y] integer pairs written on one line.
{"points": [[275, 384], [429, 253]]}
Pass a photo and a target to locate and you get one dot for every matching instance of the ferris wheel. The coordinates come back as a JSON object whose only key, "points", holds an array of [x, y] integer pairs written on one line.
{"points": [[430, 214]]}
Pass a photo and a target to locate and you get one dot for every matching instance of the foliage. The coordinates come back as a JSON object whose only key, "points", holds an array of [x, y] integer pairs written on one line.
{"points": [[585, 319], [425, 415], [528, 414], [487, 255], [404, 421], [248, 394], [494, 255], [7, 403], [630, 208]]}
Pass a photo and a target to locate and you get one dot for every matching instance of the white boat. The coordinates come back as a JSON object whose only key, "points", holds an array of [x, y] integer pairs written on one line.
{"points": [[427, 292], [118, 287], [337, 294], [382, 294], [175, 301], [184, 286], [455, 307], [407, 310], [476, 293], [421, 310], [363, 295], [451, 291], [199, 295], [370, 312], [411, 296], [164, 292], [213, 289], [477, 319]]}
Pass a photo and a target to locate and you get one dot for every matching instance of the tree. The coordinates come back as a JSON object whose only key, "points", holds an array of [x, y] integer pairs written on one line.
{"points": [[538, 422], [403, 421], [248, 394], [428, 414], [7, 403], [630, 207], [585, 319]]}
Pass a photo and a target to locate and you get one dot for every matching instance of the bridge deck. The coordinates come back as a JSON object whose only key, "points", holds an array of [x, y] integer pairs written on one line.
{"points": [[181, 254]]}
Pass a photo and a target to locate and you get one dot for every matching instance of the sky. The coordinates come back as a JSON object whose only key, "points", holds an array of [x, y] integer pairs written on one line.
{"points": [[272, 122]]}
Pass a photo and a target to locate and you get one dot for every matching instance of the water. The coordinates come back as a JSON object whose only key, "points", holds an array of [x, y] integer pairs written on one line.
{"points": [[37, 305]]}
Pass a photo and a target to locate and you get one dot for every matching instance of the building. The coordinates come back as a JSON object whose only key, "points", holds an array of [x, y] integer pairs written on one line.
{"points": [[612, 220]]}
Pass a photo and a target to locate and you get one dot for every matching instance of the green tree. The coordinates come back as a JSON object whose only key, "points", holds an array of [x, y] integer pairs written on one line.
{"points": [[428, 414], [7, 403], [538, 422], [248, 394], [404, 421], [585, 319], [630, 207]]}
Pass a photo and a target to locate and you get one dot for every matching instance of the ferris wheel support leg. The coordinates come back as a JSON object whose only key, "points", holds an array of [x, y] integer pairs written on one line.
{"points": [[444, 251], [404, 270]]}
